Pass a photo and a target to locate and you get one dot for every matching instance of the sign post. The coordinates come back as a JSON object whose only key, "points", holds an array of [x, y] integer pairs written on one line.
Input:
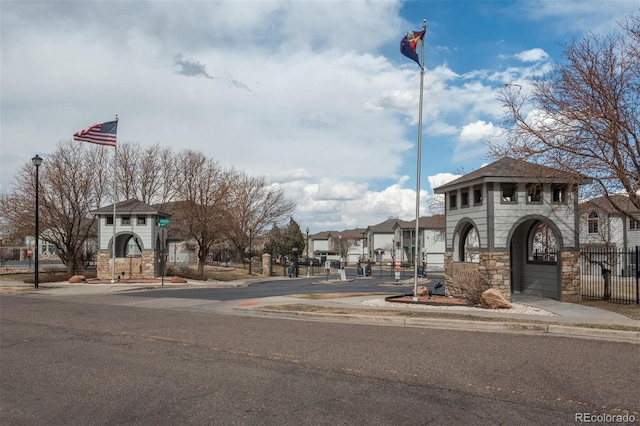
{"points": [[162, 223]]}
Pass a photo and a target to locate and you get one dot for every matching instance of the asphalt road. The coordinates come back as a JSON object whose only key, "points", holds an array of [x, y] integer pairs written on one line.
{"points": [[286, 286], [65, 362]]}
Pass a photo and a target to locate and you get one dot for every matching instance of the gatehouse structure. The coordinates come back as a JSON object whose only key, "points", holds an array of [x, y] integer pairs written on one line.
{"points": [[513, 225], [139, 240]]}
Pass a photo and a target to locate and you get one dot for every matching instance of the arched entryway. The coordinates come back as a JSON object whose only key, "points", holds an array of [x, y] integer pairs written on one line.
{"points": [[466, 242], [536, 264]]}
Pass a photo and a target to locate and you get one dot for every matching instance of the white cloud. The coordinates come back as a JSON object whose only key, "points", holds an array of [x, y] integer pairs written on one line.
{"points": [[533, 55], [440, 179]]}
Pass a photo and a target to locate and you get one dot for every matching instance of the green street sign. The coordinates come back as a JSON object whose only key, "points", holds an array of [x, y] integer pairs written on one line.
{"points": [[162, 222]]}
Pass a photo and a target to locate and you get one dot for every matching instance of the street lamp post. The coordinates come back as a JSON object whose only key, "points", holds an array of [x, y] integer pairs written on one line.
{"points": [[308, 257], [37, 161], [250, 231]]}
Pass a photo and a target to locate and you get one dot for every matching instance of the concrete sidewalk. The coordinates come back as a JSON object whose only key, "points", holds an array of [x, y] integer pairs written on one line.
{"points": [[557, 318]]}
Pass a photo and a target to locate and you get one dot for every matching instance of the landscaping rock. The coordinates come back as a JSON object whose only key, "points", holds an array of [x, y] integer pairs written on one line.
{"points": [[493, 299], [178, 280], [422, 291], [76, 279]]}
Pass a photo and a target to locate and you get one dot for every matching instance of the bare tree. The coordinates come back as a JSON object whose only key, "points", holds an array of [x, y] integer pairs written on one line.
{"points": [[72, 183], [147, 175], [254, 204], [584, 117], [203, 187]]}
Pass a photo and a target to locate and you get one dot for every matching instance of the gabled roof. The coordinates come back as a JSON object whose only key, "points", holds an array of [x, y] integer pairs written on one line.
{"points": [[509, 169], [384, 227], [130, 206], [605, 204], [425, 222]]}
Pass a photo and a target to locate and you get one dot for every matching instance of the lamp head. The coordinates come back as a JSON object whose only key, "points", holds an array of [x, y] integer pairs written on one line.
{"points": [[37, 160]]}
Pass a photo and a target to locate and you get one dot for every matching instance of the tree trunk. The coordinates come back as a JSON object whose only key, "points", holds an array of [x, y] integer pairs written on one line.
{"points": [[606, 275]]}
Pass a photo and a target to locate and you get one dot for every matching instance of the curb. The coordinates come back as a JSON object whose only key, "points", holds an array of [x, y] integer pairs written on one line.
{"points": [[464, 325]]}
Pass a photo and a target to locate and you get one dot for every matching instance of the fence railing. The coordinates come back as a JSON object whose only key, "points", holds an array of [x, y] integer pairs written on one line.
{"points": [[611, 274]]}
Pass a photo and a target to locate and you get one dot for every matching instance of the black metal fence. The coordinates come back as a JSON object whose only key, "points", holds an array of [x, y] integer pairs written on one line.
{"points": [[611, 274]]}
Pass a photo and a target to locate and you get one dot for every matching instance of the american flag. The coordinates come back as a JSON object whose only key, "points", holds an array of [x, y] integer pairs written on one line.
{"points": [[101, 134]]}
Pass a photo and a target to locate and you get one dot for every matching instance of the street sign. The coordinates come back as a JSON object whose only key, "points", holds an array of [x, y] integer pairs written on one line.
{"points": [[162, 222]]}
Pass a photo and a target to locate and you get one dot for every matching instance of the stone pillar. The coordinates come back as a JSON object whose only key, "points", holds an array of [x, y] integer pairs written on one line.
{"points": [[103, 265], [448, 272], [496, 267], [266, 265], [571, 281]]}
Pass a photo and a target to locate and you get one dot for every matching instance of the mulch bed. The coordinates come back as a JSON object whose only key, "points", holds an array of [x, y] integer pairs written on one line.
{"points": [[426, 300]]}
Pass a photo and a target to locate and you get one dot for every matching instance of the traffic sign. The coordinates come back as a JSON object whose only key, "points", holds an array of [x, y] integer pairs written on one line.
{"points": [[162, 222]]}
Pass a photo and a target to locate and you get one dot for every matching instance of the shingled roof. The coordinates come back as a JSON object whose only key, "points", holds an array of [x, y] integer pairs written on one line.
{"points": [[509, 169], [606, 204], [130, 206]]}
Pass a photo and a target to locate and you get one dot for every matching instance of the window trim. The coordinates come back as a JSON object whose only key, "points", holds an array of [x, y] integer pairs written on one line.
{"points": [[453, 200], [593, 219], [477, 190], [508, 185], [141, 220], [109, 220], [464, 194], [538, 188], [125, 220], [559, 189]]}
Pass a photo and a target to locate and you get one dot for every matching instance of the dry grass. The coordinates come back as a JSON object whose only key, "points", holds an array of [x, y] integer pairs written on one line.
{"points": [[630, 310]]}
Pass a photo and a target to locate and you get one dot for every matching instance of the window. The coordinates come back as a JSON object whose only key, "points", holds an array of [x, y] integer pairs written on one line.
{"points": [[508, 193], [634, 225], [126, 220], [534, 193], [559, 193], [464, 198], [109, 220], [142, 220], [453, 201], [592, 223], [477, 196]]}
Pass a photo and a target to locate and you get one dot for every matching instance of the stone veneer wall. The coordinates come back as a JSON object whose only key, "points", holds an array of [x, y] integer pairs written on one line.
{"points": [[145, 268], [571, 279], [496, 267], [492, 266]]}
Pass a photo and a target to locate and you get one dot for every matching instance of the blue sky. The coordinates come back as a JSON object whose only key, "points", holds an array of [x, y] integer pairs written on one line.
{"points": [[314, 95]]}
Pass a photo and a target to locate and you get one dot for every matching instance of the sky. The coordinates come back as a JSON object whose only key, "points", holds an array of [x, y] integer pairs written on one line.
{"points": [[314, 95]]}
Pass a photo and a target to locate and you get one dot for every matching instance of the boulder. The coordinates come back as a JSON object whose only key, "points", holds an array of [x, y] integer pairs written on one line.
{"points": [[422, 291], [75, 279], [178, 280], [493, 299]]}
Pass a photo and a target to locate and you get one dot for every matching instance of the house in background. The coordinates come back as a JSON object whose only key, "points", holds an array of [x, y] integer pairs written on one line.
{"points": [[609, 238], [602, 225]]}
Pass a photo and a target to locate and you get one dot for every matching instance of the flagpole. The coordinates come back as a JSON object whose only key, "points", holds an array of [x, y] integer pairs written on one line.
{"points": [[115, 199], [417, 244]]}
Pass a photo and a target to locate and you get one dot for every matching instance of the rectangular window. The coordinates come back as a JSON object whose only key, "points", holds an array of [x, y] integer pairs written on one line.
{"points": [[464, 198], [592, 223], [509, 191], [109, 220], [534, 193], [634, 225], [477, 196], [453, 201], [126, 220], [559, 193], [142, 220]]}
